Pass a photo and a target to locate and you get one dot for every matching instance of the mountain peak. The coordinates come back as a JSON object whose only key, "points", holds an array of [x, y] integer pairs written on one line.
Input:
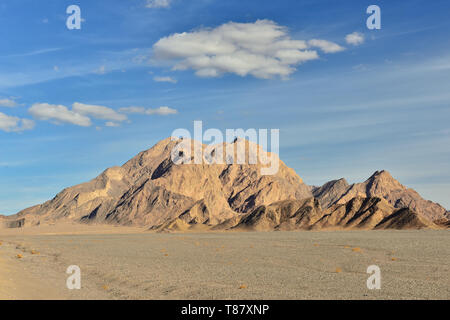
{"points": [[381, 184], [330, 192], [381, 174]]}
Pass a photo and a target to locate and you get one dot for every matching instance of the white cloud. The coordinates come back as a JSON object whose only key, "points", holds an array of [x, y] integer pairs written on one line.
{"points": [[162, 111], [112, 124], [165, 79], [140, 110], [98, 112], [325, 46], [14, 124], [158, 3], [10, 103], [262, 49], [58, 114], [354, 38], [26, 124], [80, 114]]}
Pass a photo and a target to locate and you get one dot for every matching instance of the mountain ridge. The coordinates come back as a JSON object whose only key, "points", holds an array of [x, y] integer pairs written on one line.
{"points": [[151, 191], [382, 184]]}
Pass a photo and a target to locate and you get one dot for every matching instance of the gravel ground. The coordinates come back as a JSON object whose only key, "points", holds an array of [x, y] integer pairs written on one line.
{"points": [[246, 265]]}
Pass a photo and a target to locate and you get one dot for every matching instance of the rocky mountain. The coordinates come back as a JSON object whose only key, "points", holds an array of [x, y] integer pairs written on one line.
{"points": [[445, 222], [381, 184], [330, 192], [404, 218], [152, 191], [358, 213], [283, 215]]}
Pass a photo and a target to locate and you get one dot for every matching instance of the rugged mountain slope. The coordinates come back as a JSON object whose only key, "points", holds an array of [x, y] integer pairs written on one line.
{"points": [[405, 218], [283, 215], [382, 185], [92, 198], [307, 214], [360, 213], [445, 223], [331, 192], [151, 189]]}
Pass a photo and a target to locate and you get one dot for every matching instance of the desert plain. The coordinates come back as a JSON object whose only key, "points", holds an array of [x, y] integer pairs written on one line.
{"points": [[132, 263]]}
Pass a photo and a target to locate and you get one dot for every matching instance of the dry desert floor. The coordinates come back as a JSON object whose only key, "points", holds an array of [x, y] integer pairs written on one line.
{"points": [[130, 263]]}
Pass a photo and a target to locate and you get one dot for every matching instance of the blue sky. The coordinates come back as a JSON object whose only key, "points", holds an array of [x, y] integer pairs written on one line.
{"points": [[344, 108]]}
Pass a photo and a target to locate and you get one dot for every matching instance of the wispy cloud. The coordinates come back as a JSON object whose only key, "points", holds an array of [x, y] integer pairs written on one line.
{"points": [[100, 70], [158, 3], [33, 53], [165, 79], [57, 70], [112, 124], [162, 111]]}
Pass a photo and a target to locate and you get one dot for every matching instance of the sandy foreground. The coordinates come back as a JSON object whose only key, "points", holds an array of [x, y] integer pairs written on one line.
{"points": [[130, 263]]}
